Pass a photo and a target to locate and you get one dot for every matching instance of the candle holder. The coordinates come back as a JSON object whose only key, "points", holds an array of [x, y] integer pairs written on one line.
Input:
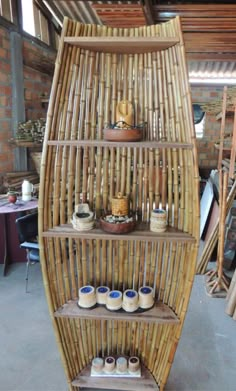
{"points": [[87, 297], [146, 299], [114, 300], [83, 218], [158, 220], [101, 294], [109, 364], [134, 364], [130, 300], [121, 365], [97, 364]]}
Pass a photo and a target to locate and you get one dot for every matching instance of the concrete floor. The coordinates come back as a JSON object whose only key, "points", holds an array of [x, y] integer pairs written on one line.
{"points": [[29, 359]]}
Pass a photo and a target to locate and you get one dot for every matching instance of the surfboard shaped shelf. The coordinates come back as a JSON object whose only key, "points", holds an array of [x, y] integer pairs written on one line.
{"points": [[96, 68]]}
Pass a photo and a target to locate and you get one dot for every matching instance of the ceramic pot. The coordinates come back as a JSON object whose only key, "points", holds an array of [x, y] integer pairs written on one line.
{"points": [[12, 197]]}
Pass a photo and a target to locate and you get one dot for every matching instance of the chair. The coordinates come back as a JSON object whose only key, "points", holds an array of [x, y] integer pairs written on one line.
{"points": [[27, 229]]}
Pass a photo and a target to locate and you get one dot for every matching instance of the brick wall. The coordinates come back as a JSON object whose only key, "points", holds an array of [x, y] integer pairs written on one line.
{"points": [[207, 153], [38, 66], [6, 152], [38, 73]]}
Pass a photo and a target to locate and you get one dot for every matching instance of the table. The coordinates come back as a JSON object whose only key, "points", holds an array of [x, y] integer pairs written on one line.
{"points": [[6, 208]]}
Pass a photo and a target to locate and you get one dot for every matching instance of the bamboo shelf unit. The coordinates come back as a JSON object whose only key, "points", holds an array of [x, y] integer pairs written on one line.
{"points": [[96, 67]]}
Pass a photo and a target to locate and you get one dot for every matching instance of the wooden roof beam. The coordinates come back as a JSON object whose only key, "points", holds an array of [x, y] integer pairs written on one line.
{"points": [[148, 11], [199, 56], [165, 12]]}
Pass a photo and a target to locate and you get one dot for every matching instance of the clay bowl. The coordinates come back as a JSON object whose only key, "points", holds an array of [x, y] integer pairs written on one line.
{"points": [[117, 228], [133, 134]]}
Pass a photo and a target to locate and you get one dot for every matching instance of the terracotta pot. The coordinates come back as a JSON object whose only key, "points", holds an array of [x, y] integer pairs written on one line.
{"points": [[116, 228], [12, 197], [134, 134]]}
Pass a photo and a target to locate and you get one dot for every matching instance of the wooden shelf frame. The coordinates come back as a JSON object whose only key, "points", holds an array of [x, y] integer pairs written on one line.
{"points": [[122, 45], [102, 143], [141, 233], [160, 313], [144, 383]]}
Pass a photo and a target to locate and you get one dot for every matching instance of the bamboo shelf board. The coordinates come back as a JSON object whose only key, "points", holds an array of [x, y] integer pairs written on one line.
{"points": [[145, 383], [132, 45], [103, 143], [160, 313], [142, 232]]}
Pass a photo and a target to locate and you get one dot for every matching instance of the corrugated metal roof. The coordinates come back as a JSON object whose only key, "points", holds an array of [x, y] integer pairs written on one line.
{"points": [[212, 69], [83, 11]]}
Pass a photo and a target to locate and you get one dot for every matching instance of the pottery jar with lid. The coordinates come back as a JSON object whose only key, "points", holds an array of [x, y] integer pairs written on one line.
{"points": [[12, 196], [27, 190]]}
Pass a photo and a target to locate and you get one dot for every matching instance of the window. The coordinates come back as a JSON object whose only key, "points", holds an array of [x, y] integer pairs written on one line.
{"points": [[6, 10], [34, 21], [199, 127], [28, 16], [199, 120]]}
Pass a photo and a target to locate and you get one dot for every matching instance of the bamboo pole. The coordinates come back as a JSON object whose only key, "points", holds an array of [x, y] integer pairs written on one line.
{"points": [[217, 281], [211, 243], [222, 128]]}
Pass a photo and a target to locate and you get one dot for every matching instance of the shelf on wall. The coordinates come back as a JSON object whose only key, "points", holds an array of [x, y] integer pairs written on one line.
{"points": [[119, 45], [160, 313], [144, 383], [25, 144], [226, 149], [136, 144], [229, 113], [142, 232]]}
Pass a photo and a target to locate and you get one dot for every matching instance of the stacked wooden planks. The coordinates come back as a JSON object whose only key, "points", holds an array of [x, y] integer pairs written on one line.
{"points": [[13, 180]]}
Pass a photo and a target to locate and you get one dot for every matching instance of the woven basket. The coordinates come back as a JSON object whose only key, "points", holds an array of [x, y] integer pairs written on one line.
{"points": [[36, 157], [119, 205], [158, 220]]}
